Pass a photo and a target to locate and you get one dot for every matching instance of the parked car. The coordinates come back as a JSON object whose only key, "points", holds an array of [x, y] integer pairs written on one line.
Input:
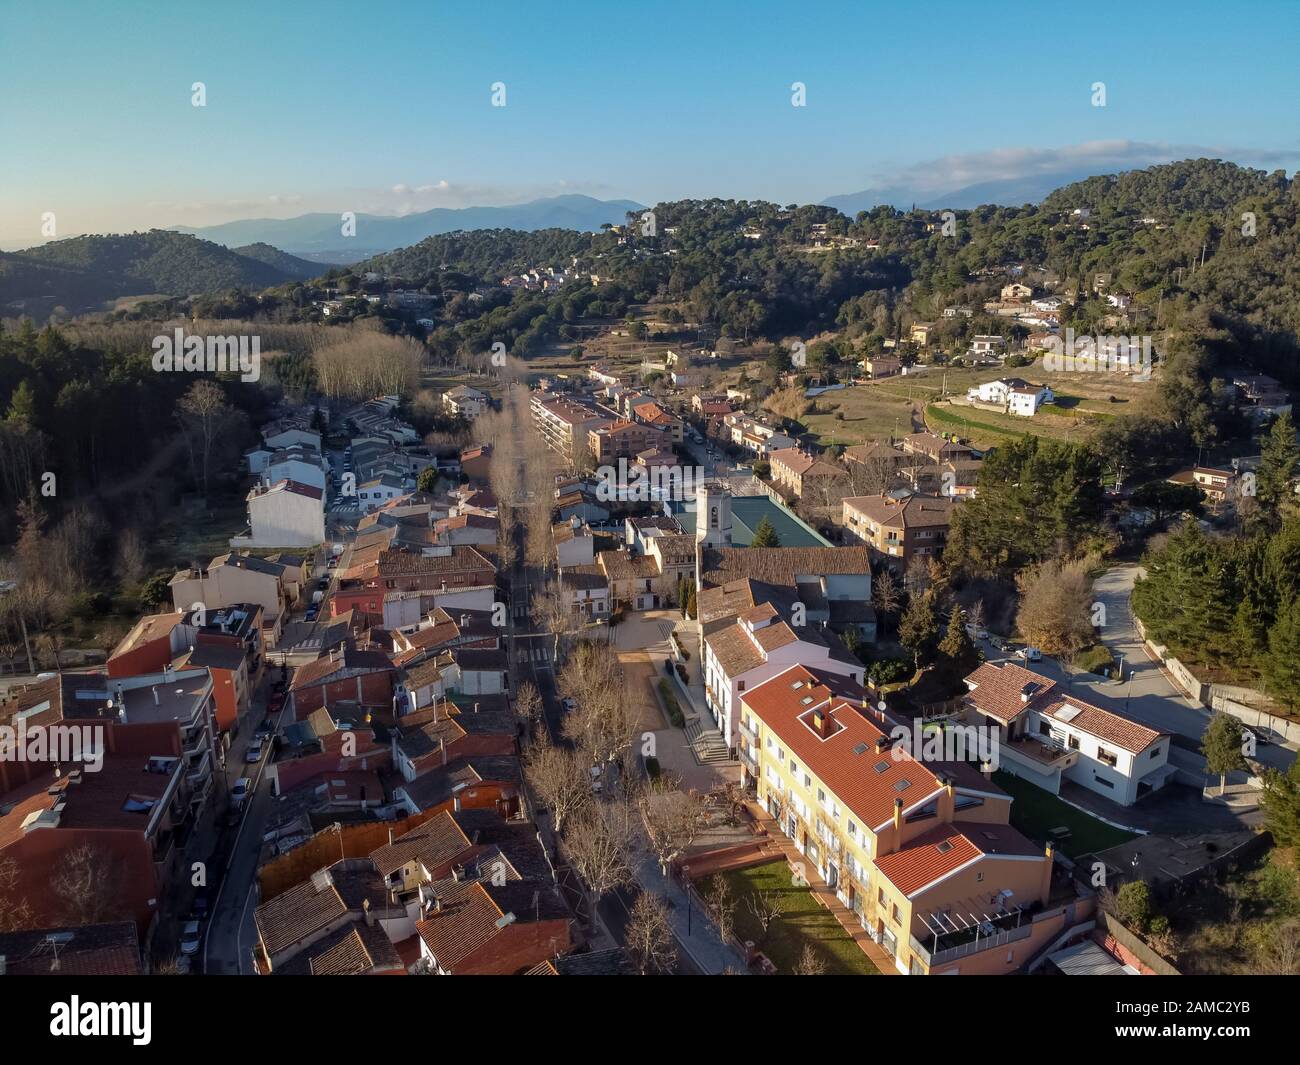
{"points": [[275, 703], [1030, 654], [200, 905], [976, 634], [323, 583], [191, 936], [254, 752], [1263, 737], [312, 611], [240, 789]]}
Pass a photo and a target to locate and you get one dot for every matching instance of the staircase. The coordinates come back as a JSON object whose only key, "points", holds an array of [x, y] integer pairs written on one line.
{"points": [[706, 742]]}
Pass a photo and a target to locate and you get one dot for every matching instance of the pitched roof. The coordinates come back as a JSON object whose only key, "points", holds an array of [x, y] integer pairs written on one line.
{"points": [[316, 902], [1106, 726], [110, 949], [1005, 690], [947, 848], [913, 512], [780, 565], [856, 760]]}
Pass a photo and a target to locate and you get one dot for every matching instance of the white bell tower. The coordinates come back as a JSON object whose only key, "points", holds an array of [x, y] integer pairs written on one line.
{"points": [[713, 514]]}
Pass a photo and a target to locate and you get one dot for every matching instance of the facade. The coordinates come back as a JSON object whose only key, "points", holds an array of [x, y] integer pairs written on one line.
{"points": [[285, 514], [565, 424], [899, 529], [796, 470], [465, 402], [921, 852], [1046, 736]]}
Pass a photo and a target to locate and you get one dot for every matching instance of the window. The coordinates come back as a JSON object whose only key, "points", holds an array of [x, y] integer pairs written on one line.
{"points": [[740, 685], [1073, 742], [979, 877], [1107, 757], [1044, 729]]}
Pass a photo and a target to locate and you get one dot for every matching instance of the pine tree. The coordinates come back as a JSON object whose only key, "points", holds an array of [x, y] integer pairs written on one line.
{"points": [[919, 629], [1282, 665], [1281, 805], [1278, 463], [765, 535], [956, 646]]}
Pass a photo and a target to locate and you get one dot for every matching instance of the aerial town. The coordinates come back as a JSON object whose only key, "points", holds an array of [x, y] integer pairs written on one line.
{"points": [[482, 575]]}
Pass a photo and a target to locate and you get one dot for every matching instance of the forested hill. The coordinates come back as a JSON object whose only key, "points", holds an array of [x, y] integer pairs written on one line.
{"points": [[80, 272], [289, 265], [481, 253]]}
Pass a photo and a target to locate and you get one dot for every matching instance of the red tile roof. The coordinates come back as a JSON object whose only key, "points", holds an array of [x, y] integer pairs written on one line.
{"points": [[1005, 691], [865, 779], [947, 848]]}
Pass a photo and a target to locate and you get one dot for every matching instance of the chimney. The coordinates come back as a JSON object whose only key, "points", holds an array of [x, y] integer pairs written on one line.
{"points": [[154, 689], [1045, 888], [442, 746], [898, 817], [819, 722]]}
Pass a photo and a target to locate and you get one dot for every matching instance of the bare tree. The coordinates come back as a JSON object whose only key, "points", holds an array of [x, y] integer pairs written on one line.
{"points": [[886, 594], [1279, 953], [650, 941], [86, 884], [15, 913], [605, 722], [202, 412], [724, 906], [132, 556], [1055, 606], [551, 612], [673, 819], [528, 706], [558, 776], [767, 908], [810, 963], [599, 843]]}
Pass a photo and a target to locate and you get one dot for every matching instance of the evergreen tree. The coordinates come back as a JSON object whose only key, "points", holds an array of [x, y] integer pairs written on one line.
{"points": [[765, 535], [1281, 805], [1222, 747], [1278, 463], [957, 646], [1282, 665], [919, 629]]}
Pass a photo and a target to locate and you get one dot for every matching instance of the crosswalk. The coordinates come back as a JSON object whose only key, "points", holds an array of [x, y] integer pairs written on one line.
{"points": [[538, 653]]}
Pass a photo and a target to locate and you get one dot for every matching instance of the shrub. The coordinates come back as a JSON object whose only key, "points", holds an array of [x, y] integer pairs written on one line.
{"points": [[1133, 904], [670, 703]]}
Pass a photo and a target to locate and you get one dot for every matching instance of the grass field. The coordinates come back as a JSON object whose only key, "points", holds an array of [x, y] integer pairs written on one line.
{"points": [[1035, 812], [804, 922]]}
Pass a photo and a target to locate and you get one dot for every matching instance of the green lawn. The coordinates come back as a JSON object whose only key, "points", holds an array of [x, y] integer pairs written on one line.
{"points": [[1035, 811], [803, 921]]}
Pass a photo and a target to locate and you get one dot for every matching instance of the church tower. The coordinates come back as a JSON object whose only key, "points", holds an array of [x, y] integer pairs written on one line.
{"points": [[713, 515]]}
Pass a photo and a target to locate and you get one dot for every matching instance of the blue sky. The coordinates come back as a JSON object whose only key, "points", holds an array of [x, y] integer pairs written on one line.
{"points": [[385, 106]]}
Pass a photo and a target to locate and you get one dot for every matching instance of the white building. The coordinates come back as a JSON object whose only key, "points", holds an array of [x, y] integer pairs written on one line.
{"points": [[379, 490], [1013, 394], [300, 464], [1046, 736], [756, 647], [284, 514], [465, 401]]}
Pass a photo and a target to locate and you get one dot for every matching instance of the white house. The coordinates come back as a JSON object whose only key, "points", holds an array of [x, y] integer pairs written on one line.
{"points": [[1047, 303], [987, 345], [1046, 736], [1014, 395], [376, 492], [756, 647], [299, 464], [465, 401], [284, 514]]}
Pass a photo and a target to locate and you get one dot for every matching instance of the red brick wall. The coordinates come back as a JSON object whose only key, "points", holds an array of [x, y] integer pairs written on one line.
{"points": [[376, 689]]}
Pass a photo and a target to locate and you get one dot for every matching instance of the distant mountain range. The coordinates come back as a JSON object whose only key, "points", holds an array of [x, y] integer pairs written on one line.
{"points": [[82, 273], [320, 235], [1006, 192]]}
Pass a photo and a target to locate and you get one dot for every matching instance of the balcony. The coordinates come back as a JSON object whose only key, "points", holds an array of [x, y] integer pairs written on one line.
{"points": [[970, 934], [750, 734], [748, 761], [1041, 753]]}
